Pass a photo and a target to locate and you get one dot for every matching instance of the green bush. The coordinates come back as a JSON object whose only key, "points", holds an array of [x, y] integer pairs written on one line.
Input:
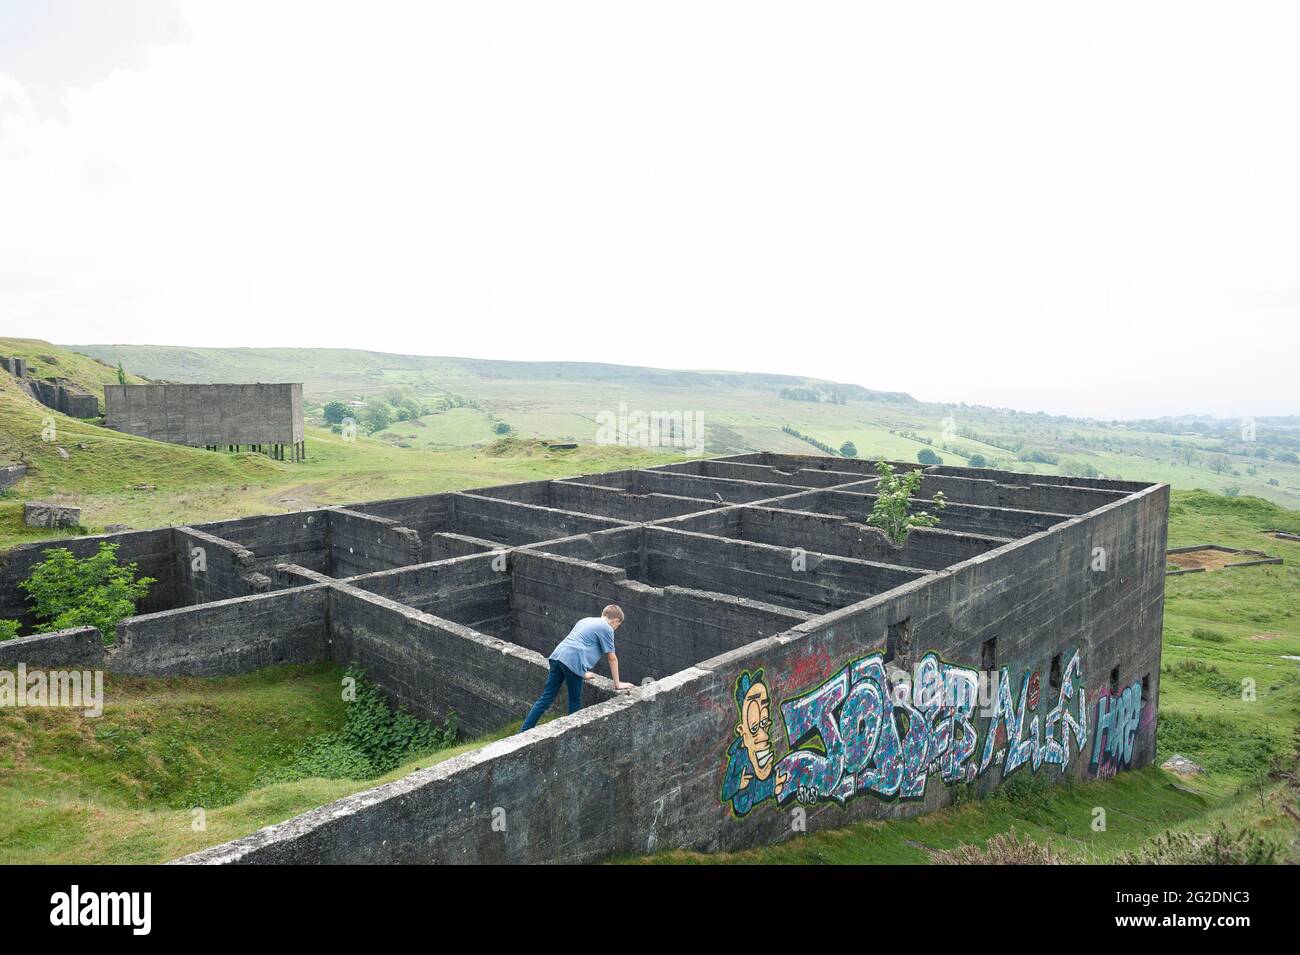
{"points": [[8, 629], [892, 512], [374, 740], [92, 592], [926, 456], [336, 411]]}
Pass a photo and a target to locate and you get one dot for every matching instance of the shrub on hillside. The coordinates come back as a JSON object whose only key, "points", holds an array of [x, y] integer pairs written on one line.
{"points": [[336, 411], [926, 456], [848, 449], [95, 591]]}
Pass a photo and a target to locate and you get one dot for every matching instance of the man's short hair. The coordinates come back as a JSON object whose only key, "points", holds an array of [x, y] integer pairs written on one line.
{"points": [[612, 612]]}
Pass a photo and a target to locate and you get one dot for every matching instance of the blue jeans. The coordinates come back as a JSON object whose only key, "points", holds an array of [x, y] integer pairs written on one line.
{"points": [[559, 674]]}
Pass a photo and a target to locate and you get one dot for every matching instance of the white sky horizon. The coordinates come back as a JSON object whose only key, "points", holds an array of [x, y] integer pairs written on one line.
{"points": [[1080, 209]]}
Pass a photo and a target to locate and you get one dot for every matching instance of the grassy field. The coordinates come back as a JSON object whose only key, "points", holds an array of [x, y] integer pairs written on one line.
{"points": [[121, 479], [122, 788], [1221, 628], [741, 412]]}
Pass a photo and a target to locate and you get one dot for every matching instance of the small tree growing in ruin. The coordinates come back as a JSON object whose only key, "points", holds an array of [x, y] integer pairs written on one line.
{"points": [[94, 591], [893, 511]]}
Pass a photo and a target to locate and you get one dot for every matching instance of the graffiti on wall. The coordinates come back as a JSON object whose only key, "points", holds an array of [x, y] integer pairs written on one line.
{"points": [[869, 730], [1119, 715]]}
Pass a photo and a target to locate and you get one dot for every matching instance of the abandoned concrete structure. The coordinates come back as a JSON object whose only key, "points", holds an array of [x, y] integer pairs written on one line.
{"points": [[792, 661], [59, 394], [263, 417]]}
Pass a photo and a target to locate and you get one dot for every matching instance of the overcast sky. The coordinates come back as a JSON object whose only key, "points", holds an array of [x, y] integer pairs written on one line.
{"points": [[1087, 208]]}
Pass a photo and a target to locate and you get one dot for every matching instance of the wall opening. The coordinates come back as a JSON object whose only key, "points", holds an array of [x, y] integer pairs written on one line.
{"points": [[1054, 675], [898, 641], [1146, 688], [989, 654], [1114, 682]]}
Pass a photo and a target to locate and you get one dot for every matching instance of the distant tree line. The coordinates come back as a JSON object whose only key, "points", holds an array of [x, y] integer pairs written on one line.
{"points": [[821, 446]]}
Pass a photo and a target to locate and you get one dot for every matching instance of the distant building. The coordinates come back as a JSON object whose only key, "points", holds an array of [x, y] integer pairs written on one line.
{"points": [[261, 417]]}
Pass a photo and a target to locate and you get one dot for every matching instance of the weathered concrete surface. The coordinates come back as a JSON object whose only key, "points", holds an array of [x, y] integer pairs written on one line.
{"points": [[774, 576], [57, 516], [78, 647], [654, 760], [207, 415], [11, 474]]}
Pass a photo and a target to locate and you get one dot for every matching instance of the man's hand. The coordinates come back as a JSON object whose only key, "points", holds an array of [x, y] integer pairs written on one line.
{"points": [[589, 675], [619, 685]]}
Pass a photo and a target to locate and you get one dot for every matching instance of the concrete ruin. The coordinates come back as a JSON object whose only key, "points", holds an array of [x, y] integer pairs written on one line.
{"points": [[261, 417], [792, 661], [58, 394]]}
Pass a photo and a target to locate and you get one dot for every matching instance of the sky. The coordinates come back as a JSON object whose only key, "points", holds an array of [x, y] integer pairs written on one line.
{"points": [[1083, 208]]}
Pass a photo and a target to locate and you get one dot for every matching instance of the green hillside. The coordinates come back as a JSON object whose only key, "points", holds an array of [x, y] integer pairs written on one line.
{"points": [[121, 479], [565, 401]]}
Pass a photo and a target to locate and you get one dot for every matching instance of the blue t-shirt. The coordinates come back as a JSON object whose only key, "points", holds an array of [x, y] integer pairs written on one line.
{"points": [[589, 640]]}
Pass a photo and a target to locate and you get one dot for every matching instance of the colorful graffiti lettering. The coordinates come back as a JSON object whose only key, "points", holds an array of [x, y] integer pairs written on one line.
{"points": [[1117, 724], [867, 729]]}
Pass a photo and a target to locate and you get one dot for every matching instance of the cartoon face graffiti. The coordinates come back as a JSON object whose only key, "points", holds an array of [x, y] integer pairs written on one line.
{"points": [[751, 759], [755, 728]]}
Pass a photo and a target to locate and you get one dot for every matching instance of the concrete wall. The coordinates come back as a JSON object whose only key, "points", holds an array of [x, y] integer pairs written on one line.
{"points": [[207, 415], [473, 591], [226, 637], [810, 582], [666, 628], [210, 568], [512, 523], [925, 547], [363, 543], [11, 474], [655, 762], [154, 551], [434, 666], [301, 537]]}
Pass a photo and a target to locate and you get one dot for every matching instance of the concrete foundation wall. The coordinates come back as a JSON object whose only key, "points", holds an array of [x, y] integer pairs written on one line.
{"points": [[363, 543], [812, 582], [666, 628], [925, 548], [655, 761], [434, 666], [300, 537], [226, 637], [210, 568], [513, 523], [154, 551], [469, 590]]}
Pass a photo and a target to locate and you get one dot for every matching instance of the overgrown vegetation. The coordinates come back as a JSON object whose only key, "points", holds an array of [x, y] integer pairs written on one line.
{"points": [[893, 512], [1219, 846], [1006, 848], [373, 740], [95, 591], [123, 788], [8, 629]]}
